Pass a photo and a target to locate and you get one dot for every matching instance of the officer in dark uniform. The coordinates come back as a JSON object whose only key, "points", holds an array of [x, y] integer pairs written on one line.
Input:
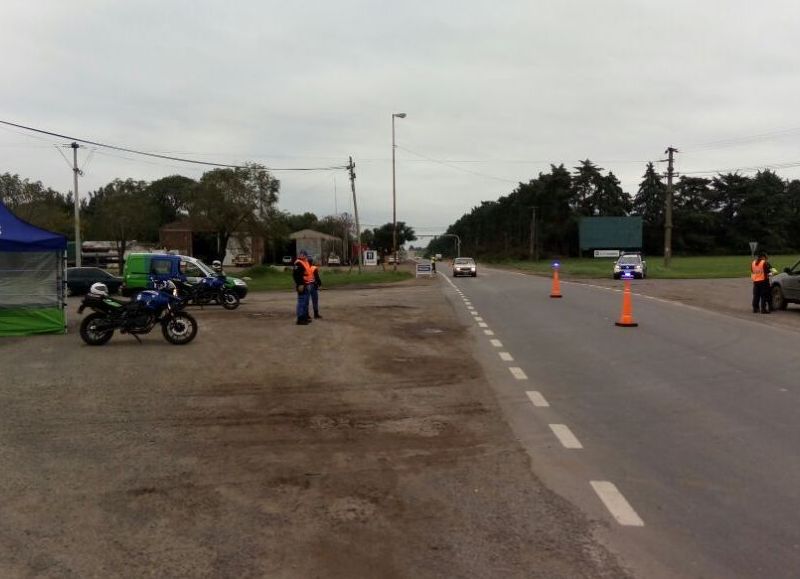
{"points": [[759, 273]]}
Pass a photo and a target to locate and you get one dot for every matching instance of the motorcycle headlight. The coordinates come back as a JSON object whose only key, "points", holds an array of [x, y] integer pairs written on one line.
{"points": [[237, 281]]}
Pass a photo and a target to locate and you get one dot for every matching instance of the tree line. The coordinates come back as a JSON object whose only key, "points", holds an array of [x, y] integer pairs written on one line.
{"points": [[222, 203], [717, 215]]}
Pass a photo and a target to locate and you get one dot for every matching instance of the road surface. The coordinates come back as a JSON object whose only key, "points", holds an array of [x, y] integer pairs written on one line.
{"points": [[680, 436]]}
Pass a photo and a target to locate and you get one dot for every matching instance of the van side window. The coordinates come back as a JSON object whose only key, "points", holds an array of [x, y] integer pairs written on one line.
{"points": [[161, 267]]}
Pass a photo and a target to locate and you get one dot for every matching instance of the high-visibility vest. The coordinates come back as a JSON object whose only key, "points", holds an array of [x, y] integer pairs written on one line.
{"points": [[757, 272], [308, 271]]}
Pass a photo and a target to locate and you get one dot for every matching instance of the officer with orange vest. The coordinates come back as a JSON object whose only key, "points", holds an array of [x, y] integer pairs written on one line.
{"points": [[303, 276], [314, 288], [759, 273]]}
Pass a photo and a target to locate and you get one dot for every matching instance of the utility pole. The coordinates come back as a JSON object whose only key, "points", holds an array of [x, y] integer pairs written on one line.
{"points": [[532, 249], [668, 208], [75, 172], [352, 168]]}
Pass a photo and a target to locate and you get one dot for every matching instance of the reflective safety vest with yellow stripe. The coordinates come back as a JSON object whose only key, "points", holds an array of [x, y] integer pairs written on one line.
{"points": [[757, 272]]}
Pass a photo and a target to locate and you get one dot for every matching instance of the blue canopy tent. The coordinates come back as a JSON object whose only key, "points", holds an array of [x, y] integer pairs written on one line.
{"points": [[32, 271]]}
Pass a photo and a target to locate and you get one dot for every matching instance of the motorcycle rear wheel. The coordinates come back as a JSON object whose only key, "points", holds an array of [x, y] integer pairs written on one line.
{"points": [[180, 329], [91, 334]]}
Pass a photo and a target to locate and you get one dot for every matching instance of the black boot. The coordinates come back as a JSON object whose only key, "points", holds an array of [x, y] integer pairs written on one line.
{"points": [[317, 316], [303, 321]]}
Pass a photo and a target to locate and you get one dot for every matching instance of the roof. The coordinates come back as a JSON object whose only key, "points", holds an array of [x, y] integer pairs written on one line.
{"points": [[311, 234], [18, 235]]}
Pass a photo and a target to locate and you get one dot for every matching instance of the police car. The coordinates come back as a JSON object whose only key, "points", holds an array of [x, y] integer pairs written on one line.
{"points": [[630, 265]]}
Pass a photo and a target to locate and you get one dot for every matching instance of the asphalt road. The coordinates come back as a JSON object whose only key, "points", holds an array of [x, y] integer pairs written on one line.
{"points": [[692, 417]]}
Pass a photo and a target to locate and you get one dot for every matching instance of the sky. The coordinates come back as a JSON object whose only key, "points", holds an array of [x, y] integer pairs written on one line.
{"points": [[494, 93]]}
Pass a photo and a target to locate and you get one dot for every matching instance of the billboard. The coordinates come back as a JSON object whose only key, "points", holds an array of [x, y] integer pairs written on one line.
{"points": [[610, 233]]}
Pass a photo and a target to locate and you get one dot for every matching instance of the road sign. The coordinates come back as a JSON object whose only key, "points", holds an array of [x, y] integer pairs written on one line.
{"points": [[753, 247], [424, 268], [606, 252]]}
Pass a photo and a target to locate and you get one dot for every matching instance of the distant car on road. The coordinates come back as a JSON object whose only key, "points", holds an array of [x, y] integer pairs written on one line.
{"points": [[80, 279], [465, 266], [786, 287], [287, 260], [630, 265], [334, 260]]}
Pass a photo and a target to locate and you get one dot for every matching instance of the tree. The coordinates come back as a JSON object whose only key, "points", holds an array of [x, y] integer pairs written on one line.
{"points": [[586, 185], [121, 212], [383, 236], [228, 201], [171, 195], [649, 204], [37, 204]]}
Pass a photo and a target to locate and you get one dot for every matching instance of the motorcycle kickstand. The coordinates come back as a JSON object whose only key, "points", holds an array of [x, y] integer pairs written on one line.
{"points": [[138, 339]]}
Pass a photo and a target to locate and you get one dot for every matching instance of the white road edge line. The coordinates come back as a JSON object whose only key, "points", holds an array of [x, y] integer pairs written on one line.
{"points": [[518, 373], [505, 357], [537, 399], [488, 332], [565, 436], [496, 343], [616, 504]]}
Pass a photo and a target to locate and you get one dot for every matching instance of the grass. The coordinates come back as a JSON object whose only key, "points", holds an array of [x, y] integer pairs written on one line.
{"points": [[266, 278], [703, 267]]}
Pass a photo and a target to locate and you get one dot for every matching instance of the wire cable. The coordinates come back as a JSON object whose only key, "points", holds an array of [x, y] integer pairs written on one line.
{"points": [[166, 157]]}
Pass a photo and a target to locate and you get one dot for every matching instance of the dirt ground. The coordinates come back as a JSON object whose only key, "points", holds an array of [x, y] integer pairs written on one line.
{"points": [[367, 444]]}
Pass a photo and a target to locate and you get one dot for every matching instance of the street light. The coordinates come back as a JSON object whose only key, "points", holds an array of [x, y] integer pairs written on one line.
{"points": [[394, 193]]}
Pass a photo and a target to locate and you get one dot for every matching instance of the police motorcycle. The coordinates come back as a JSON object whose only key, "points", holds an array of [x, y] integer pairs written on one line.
{"points": [[209, 289], [160, 306]]}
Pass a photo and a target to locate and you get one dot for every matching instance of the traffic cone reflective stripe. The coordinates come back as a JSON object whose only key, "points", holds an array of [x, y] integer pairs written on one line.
{"points": [[626, 317], [555, 291]]}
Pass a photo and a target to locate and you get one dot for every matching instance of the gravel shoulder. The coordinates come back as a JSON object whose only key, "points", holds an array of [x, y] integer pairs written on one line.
{"points": [[367, 444]]}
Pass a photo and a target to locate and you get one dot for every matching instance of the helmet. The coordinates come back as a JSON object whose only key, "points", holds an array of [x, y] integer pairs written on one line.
{"points": [[216, 265], [99, 289], [165, 286]]}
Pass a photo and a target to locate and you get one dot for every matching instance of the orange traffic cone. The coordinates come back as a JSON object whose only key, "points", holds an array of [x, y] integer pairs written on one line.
{"points": [[626, 317], [555, 291]]}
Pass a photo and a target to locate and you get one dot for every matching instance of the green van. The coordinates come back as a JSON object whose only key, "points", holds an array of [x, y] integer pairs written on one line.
{"points": [[140, 267]]}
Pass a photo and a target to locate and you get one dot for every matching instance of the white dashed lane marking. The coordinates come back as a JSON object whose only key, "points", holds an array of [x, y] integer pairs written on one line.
{"points": [[518, 373], [616, 504], [478, 319], [537, 399], [496, 343], [483, 325], [506, 357], [488, 332], [565, 436]]}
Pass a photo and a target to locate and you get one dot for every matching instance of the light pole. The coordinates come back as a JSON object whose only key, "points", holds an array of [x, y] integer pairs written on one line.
{"points": [[394, 193]]}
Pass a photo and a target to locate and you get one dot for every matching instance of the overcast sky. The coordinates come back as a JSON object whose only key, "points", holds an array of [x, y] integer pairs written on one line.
{"points": [[494, 92]]}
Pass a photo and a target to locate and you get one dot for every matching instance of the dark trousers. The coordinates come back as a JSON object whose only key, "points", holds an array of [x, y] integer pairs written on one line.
{"points": [[761, 296], [314, 292]]}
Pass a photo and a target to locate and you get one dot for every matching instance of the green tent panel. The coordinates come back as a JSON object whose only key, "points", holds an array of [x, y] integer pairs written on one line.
{"points": [[24, 322]]}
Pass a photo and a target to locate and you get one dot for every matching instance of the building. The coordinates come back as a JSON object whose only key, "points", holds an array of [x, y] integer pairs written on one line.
{"points": [[187, 238], [317, 244]]}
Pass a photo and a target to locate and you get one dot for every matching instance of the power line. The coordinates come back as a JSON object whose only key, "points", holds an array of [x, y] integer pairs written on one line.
{"points": [[457, 168], [159, 156]]}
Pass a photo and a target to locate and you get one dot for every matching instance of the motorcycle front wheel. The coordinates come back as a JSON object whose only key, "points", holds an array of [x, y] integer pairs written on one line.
{"points": [[230, 301], [94, 330], [179, 329]]}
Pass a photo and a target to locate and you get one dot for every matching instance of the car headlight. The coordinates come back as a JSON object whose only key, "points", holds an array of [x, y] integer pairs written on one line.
{"points": [[637, 267], [472, 269], [616, 267]]}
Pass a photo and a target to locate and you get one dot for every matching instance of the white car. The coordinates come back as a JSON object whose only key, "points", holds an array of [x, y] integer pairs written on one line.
{"points": [[465, 266], [334, 260]]}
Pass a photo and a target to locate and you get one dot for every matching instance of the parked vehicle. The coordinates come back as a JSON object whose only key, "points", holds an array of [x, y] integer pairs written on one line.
{"points": [[786, 287], [334, 260], [80, 279], [630, 265], [243, 260], [287, 260], [139, 316], [207, 290], [141, 267], [465, 266]]}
